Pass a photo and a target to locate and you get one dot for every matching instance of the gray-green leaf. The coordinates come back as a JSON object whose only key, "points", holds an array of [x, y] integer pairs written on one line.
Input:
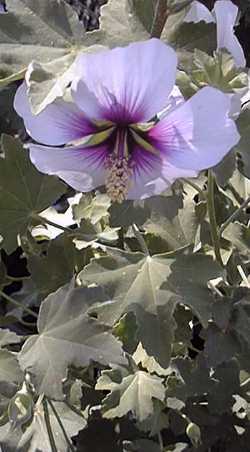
{"points": [[67, 336], [24, 191]]}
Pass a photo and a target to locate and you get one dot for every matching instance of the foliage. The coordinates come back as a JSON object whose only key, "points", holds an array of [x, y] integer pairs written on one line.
{"points": [[130, 330]]}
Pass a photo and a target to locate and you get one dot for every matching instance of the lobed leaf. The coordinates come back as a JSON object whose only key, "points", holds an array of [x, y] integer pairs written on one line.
{"points": [[24, 191], [64, 325]]}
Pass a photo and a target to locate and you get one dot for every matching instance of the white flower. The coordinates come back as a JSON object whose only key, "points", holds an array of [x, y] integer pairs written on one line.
{"points": [[224, 15]]}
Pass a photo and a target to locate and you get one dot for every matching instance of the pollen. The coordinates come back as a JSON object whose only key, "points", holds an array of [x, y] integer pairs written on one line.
{"points": [[118, 178]]}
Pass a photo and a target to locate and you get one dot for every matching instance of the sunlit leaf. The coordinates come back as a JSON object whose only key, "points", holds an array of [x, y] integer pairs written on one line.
{"points": [[44, 29], [35, 437], [64, 324], [133, 393], [151, 287], [118, 25]]}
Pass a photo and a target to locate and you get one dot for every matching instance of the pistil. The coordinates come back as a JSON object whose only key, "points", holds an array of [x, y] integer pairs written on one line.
{"points": [[119, 170]]}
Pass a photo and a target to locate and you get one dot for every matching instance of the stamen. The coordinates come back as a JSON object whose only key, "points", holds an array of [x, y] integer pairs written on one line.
{"points": [[118, 178]]}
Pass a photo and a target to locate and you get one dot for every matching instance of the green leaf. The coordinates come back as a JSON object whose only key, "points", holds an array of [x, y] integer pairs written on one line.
{"points": [[10, 122], [11, 377], [194, 379], [3, 275], [35, 437], [126, 331], [173, 219], [151, 287], [144, 9], [225, 169], [220, 346], [23, 191], [119, 25], [27, 296], [64, 325], [240, 321], [133, 281], [8, 337], [141, 445], [12, 78], [157, 421], [239, 236], [218, 70], [148, 363], [243, 124], [48, 81], [193, 431], [93, 209], [20, 409], [185, 37], [88, 234], [134, 393], [9, 368], [55, 267], [177, 5], [128, 212], [44, 29]]}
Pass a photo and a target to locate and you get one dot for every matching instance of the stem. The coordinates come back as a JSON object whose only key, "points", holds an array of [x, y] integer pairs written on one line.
{"points": [[62, 426], [51, 223], [234, 215], [245, 384], [17, 278], [29, 324], [17, 304], [212, 218], [121, 238], [140, 239], [48, 425], [193, 185], [160, 442], [243, 275], [74, 409], [160, 17]]}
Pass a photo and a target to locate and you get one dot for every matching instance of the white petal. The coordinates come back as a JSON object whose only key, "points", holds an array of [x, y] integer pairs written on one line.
{"points": [[199, 12], [226, 14]]}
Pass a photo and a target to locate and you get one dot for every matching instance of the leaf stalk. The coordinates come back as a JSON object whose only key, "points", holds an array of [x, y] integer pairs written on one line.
{"points": [[140, 239], [234, 215], [160, 17], [18, 304], [71, 447], [212, 218], [48, 425]]}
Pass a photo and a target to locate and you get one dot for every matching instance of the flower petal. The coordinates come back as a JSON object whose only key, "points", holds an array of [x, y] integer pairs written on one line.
{"points": [[198, 12], [199, 133], [226, 14], [83, 169], [129, 84], [153, 175], [59, 123], [174, 100]]}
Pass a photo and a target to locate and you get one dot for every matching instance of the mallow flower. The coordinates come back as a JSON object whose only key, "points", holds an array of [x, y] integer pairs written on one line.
{"points": [[109, 133], [224, 15], [3, 8]]}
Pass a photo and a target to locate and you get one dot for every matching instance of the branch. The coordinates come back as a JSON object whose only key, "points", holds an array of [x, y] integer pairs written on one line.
{"points": [[160, 17]]}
